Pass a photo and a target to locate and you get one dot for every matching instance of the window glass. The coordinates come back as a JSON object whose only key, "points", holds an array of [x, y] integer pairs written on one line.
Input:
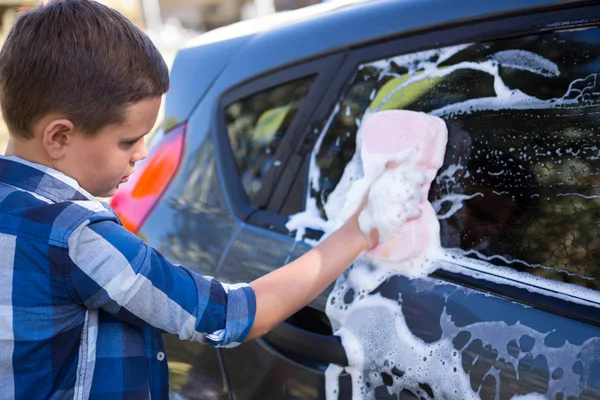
{"points": [[520, 185], [256, 125]]}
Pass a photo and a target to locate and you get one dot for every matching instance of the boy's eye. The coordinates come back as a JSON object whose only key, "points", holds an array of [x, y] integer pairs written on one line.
{"points": [[130, 143]]}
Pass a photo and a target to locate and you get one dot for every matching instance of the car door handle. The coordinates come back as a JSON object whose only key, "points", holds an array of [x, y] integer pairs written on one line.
{"points": [[316, 346]]}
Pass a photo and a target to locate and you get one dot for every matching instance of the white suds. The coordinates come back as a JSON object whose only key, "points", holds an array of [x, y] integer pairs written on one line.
{"points": [[373, 328]]}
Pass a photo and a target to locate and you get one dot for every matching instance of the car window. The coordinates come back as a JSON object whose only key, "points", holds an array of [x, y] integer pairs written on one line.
{"points": [[256, 125], [520, 185]]}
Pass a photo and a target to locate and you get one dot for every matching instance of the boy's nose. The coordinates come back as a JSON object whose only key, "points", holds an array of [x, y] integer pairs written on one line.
{"points": [[142, 152]]}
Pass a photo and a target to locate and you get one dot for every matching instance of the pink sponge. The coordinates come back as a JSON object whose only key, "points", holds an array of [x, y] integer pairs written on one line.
{"points": [[385, 135]]}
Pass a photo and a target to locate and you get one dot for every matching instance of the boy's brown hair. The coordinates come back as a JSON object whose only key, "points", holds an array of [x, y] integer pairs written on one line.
{"points": [[78, 58]]}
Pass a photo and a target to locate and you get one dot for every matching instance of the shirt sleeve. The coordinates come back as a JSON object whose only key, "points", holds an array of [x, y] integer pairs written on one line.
{"points": [[111, 268]]}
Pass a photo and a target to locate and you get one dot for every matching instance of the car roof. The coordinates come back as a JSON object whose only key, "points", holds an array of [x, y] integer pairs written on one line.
{"points": [[327, 27], [268, 43]]}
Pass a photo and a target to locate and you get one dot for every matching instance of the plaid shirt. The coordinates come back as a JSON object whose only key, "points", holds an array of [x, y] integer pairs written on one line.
{"points": [[84, 302]]}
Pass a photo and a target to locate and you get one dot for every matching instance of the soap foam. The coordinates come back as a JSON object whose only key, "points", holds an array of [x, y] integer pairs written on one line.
{"points": [[375, 317], [499, 334], [527, 61], [373, 328], [393, 200]]}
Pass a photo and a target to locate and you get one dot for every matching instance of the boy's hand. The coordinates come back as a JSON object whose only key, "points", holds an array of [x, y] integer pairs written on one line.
{"points": [[372, 239]]}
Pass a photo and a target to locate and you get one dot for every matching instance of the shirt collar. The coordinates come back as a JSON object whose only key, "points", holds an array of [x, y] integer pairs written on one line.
{"points": [[42, 180]]}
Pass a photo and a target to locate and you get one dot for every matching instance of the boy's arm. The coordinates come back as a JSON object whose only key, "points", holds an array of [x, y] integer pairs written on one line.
{"points": [[284, 291], [111, 268]]}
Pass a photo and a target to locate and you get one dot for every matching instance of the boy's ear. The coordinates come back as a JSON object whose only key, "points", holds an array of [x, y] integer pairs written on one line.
{"points": [[57, 135]]}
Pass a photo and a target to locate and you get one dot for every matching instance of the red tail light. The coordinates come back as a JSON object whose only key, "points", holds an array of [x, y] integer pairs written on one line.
{"points": [[136, 198]]}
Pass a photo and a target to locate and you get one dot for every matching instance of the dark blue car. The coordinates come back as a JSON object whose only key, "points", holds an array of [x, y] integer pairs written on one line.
{"points": [[260, 133]]}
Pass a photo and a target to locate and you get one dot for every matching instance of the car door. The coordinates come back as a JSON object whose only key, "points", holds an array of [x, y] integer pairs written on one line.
{"points": [[259, 127], [512, 307]]}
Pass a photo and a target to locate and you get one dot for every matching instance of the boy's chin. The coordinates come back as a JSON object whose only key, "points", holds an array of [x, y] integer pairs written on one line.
{"points": [[106, 193]]}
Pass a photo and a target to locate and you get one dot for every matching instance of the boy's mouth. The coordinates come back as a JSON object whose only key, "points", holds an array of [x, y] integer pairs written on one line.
{"points": [[126, 177]]}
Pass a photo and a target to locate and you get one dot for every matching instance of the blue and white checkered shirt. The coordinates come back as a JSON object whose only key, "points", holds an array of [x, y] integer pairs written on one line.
{"points": [[83, 302]]}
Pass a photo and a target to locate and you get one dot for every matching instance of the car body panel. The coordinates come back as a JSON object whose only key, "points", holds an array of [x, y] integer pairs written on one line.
{"points": [[258, 372], [193, 72], [192, 225], [254, 253], [506, 348], [340, 30], [313, 33], [513, 336]]}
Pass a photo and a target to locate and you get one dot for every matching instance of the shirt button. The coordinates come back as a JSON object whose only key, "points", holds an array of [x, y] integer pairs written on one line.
{"points": [[160, 356]]}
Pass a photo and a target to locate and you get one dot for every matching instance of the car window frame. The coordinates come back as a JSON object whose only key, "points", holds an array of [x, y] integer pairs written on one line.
{"points": [[323, 68], [485, 29]]}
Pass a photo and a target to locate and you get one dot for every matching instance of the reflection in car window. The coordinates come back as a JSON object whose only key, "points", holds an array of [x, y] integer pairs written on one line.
{"points": [[520, 185], [256, 125]]}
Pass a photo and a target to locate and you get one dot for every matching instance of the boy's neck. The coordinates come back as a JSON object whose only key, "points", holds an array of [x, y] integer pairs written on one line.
{"points": [[28, 150]]}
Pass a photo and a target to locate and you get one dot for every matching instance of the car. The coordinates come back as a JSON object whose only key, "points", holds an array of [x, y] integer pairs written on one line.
{"points": [[260, 133]]}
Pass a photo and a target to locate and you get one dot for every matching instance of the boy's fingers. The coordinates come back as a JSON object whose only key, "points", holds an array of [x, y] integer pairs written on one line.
{"points": [[364, 201], [373, 238], [391, 164]]}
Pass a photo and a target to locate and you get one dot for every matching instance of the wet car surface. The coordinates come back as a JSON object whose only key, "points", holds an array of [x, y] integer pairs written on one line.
{"points": [[267, 116]]}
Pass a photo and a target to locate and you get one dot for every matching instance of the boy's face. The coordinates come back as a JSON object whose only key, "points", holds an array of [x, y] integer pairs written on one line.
{"points": [[101, 162]]}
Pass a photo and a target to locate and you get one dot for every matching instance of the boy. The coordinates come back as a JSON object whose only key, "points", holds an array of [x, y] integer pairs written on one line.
{"points": [[84, 302]]}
